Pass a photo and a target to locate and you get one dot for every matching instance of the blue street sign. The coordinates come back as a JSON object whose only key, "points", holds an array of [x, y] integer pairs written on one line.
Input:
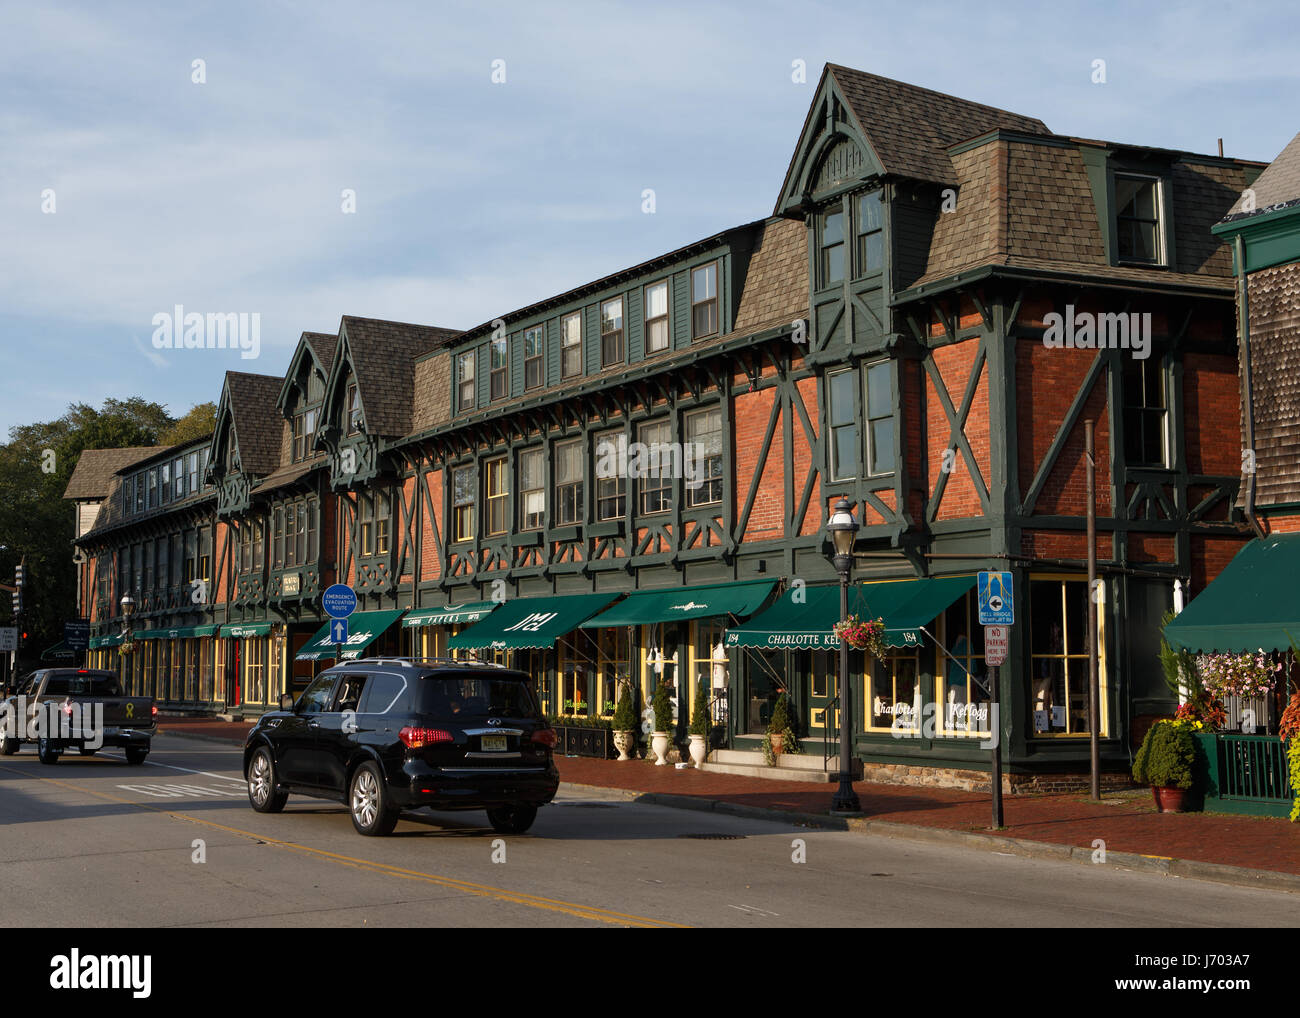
{"points": [[339, 631], [76, 634], [997, 607], [339, 601]]}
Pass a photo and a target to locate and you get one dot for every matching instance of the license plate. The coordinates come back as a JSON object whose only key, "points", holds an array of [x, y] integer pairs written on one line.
{"points": [[494, 744]]}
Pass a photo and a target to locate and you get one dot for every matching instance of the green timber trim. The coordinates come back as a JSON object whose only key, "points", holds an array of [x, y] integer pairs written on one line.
{"points": [[1272, 236], [1063, 432], [650, 607], [1222, 288], [957, 428]]}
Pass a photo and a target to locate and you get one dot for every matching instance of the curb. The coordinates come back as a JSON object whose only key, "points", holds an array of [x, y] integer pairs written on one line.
{"points": [[1184, 868]]}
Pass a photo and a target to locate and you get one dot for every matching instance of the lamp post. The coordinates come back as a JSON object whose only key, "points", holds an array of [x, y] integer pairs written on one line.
{"points": [[128, 609], [843, 528]]}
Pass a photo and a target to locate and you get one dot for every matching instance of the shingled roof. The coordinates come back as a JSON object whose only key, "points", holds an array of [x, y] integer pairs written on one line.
{"points": [[383, 356], [910, 128], [1026, 203], [322, 345], [1277, 186], [258, 425], [92, 478]]}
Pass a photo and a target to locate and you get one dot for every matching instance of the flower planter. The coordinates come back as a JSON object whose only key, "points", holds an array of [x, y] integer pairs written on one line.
{"points": [[699, 749], [1172, 800], [625, 742], [659, 745]]}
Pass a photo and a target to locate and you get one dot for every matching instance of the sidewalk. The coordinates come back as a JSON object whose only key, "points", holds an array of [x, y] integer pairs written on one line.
{"points": [[1061, 826]]}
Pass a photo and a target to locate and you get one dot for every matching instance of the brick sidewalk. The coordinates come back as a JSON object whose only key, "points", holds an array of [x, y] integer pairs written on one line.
{"points": [[1126, 822]]}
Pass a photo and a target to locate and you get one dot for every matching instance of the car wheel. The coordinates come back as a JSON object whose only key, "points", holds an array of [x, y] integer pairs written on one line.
{"points": [[373, 813], [512, 819], [87, 751], [46, 752], [262, 793], [8, 747], [135, 756]]}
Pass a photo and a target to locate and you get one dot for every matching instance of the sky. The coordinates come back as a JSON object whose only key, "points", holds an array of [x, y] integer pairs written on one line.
{"points": [[128, 187]]}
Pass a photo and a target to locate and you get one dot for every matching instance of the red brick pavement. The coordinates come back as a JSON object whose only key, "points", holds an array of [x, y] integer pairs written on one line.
{"points": [[1126, 822]]}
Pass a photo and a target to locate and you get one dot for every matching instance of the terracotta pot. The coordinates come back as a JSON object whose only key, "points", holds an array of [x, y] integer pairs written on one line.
{"points": [[1171, 800], [699, 749], [778, 742], [659, 745], [623, 742]]}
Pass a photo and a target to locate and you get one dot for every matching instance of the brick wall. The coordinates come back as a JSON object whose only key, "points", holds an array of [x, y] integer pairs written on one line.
{"points": [[1209, 556], [1212, 412], [767, 518], [430, 566], [812, 522], [954, 363]]}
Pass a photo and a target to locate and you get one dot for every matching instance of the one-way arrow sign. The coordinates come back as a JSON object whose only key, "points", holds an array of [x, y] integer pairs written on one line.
{"points": [[339, 631]]}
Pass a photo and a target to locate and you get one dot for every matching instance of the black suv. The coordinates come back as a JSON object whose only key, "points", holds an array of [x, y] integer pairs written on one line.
{"points": [[386, 734]]}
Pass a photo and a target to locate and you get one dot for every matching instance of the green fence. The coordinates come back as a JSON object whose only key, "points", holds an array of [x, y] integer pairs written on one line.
{"points": [[1244, 774]]}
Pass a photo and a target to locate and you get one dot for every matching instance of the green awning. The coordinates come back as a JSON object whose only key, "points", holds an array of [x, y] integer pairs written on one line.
{"points": [[933, 597], [451, 615], [59, 652], [240, 630], [530, 622], [177, 633], [1252, 605], [111, 640], [650, 607], [363, 629], [801, 618]]}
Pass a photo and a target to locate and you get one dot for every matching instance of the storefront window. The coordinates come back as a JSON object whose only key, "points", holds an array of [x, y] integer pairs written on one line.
{"points": [[963, 702], [1058, 626], [894, 703], [255, 669], [614, 665], [709, 657], [576, 674]]}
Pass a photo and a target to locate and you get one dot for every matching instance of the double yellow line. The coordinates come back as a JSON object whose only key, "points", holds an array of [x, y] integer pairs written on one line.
{"points": [[570, 908]]}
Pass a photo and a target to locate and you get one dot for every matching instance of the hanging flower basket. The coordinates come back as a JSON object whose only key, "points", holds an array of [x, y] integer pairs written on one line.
{"points": [[126, 648], [1242, 675], [860, 635]]}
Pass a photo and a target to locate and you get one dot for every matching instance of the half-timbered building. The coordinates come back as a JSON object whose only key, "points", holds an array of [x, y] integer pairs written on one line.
{"points": [[630, 480]]}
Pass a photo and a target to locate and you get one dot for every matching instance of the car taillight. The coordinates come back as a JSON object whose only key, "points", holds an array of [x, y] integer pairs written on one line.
{"points": [[417, 737], [153, 711], [546, 736]]}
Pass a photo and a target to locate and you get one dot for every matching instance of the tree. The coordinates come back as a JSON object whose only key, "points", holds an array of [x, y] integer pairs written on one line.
{"points": [[200, 422], [37, 524]]}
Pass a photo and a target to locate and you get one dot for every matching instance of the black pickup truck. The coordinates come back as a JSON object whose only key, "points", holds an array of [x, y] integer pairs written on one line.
{"points": [[62, 708]]}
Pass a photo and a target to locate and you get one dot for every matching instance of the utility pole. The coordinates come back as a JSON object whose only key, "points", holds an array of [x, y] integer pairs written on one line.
{"points": [[1094, 698]]}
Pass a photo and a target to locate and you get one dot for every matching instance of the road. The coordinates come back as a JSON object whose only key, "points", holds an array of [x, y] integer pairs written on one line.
{"points": [[173, 843]]}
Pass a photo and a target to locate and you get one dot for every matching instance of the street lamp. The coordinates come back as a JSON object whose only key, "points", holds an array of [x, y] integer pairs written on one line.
{"points": [[843, 528]]}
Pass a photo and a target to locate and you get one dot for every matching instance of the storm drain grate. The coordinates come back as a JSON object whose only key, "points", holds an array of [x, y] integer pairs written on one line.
{"points": [[714, 837]]}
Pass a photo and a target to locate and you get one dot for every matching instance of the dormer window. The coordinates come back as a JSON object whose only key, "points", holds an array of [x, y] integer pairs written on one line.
{"points": [[497, 369], [704, 301], [304, 432], [533, 342], [1138, 234], [465, 381], [354, 409], [871, 240], [832, 248]]}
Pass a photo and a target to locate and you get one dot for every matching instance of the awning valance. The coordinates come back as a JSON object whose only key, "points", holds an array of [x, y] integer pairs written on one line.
{"points": [[111, 640], [650, 607], [242, 630], [804, 618], [530, 622], [451, 615], [177, 633], [1254, 604], [363, 629]]}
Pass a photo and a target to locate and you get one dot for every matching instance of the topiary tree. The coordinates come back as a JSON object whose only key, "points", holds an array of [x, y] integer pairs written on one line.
{"points": [[701, 723], [1167, 758], [625, 712], [663, 708]]}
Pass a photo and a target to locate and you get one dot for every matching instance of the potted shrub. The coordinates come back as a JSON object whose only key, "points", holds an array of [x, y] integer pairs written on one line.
{"points": [[780, 737], [700, 726], [625, 722], [663, 711], [1167, 763]]}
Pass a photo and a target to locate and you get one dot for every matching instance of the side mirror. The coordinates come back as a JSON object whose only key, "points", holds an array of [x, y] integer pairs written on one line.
{"points": [[286, 701]]}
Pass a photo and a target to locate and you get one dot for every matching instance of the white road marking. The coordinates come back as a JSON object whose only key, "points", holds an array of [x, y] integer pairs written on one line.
{"points": [[187, 770], [179, 791], [753, 910]]}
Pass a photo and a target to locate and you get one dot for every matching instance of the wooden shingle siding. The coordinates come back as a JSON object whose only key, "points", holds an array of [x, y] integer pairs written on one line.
{"points": [[1274, 298]]}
